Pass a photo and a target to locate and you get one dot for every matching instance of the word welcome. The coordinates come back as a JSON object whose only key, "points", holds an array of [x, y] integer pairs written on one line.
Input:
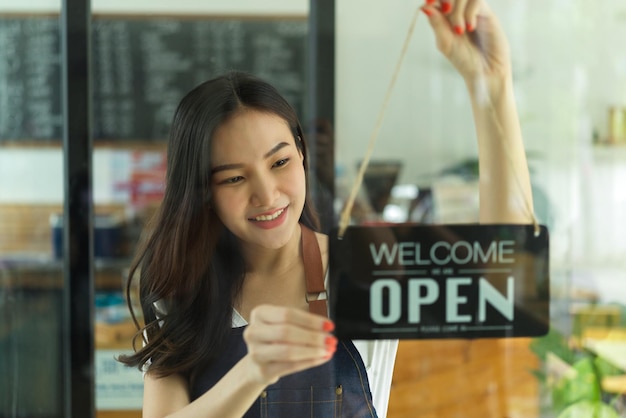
{"points": [[441, 253]]}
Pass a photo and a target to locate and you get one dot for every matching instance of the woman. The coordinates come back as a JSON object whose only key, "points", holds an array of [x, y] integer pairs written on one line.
{"points": [[230, 326]]}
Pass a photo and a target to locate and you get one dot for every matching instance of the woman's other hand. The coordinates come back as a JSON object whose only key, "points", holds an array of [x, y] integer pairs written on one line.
{"points": [[284, 340], [469, 34]]}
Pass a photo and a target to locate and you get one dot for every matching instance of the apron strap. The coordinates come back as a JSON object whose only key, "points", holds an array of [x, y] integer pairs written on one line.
{"points": [[313, 272]]}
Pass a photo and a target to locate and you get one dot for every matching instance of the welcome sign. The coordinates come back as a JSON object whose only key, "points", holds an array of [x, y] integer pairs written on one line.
{"points": [[440, 281]]}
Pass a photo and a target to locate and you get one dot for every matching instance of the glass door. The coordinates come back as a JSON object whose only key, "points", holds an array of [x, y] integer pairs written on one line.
{"points": [[45, 332]]}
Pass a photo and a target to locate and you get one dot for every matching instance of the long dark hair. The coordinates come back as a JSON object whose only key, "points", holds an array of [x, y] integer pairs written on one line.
{"points": [[187, 260]]}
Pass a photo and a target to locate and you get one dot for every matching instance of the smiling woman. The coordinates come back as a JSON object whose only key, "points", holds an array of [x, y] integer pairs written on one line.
{"points": [[232, 273]]}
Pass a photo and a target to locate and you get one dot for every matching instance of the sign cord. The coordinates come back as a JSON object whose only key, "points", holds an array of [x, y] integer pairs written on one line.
{"points": [[344, 219]]}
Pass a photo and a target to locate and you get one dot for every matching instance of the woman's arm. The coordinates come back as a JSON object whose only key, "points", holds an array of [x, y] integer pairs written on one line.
{"points": [[470, 36], [280, 341], [505, 191]]}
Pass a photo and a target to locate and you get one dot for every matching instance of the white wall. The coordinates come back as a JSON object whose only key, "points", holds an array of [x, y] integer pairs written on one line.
{"points": [[35, 176], [31, 176]]}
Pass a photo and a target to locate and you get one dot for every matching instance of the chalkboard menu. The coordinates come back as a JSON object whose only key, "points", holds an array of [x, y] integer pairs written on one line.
{"points": [[141, 68]]}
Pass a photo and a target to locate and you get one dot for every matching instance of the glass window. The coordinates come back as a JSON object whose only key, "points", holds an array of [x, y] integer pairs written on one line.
{"points": [[568, 74], [31, 198]]}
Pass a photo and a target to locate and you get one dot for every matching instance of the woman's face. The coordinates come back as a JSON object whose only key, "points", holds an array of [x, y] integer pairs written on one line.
{"points": [[258, 181]]}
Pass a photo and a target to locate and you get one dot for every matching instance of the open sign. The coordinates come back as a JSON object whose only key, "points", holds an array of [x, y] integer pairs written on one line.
{"points": [[443, 281]]}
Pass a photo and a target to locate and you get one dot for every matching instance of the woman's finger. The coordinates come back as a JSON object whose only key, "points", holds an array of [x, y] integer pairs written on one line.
{"points": [[457, 16], [446, 6], [472, 10], [441, 28], [285, 333], [271, 314], [269, 362], [263, 353]]}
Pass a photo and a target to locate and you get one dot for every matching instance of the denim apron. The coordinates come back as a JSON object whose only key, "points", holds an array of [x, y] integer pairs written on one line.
{"points": [[338, 388]]}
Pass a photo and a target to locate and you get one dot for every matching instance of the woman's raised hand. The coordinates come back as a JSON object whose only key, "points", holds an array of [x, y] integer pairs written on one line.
{"points": [[469, 35], [284, 340]]}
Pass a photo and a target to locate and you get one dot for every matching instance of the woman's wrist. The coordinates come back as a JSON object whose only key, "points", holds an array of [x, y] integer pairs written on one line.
{"points": [[253, 376], [491, 88]]}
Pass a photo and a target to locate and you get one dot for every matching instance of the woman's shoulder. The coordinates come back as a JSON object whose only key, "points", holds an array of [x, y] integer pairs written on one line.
{"points": [[322, 240]]}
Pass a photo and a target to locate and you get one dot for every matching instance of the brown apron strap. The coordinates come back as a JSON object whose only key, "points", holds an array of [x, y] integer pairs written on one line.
{"points": [[313, 271]]}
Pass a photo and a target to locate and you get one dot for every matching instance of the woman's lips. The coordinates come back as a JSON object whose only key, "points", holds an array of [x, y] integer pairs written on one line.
{"points": [[270, 220], [270, 216]]}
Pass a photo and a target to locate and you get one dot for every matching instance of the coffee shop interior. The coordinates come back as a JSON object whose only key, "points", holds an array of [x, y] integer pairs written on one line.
{"points": [[63, 321]]}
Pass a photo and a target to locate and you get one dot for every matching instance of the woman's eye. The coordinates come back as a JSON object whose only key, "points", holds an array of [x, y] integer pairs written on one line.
{"points": [[232, 180], [282, 162]]}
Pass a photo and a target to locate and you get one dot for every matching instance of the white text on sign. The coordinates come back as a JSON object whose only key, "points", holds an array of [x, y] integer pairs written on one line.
{"points": [[426, 291], [442, 253]]}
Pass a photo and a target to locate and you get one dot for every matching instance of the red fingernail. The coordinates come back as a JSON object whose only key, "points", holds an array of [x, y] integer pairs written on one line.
{"points": [[446, 7], [331, 341], [430, 1], [328, 326], [459, 29], [470, 27], [427, 12]]}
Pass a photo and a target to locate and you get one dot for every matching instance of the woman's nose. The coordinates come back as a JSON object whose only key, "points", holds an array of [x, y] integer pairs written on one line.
{"points": [[264, 191]]}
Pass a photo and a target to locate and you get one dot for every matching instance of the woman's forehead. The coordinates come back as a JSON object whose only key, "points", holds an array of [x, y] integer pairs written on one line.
{"points": [[248, 133]]}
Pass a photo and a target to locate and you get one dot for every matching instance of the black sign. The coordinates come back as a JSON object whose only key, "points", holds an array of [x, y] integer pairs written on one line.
{"points": [[444, 281]]}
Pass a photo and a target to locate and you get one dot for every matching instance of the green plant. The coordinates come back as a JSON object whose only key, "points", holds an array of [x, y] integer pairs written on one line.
{"points": [[573, 377]]}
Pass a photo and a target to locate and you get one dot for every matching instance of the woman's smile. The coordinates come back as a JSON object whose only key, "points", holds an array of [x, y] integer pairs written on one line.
{"points": [[270, 220]]}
